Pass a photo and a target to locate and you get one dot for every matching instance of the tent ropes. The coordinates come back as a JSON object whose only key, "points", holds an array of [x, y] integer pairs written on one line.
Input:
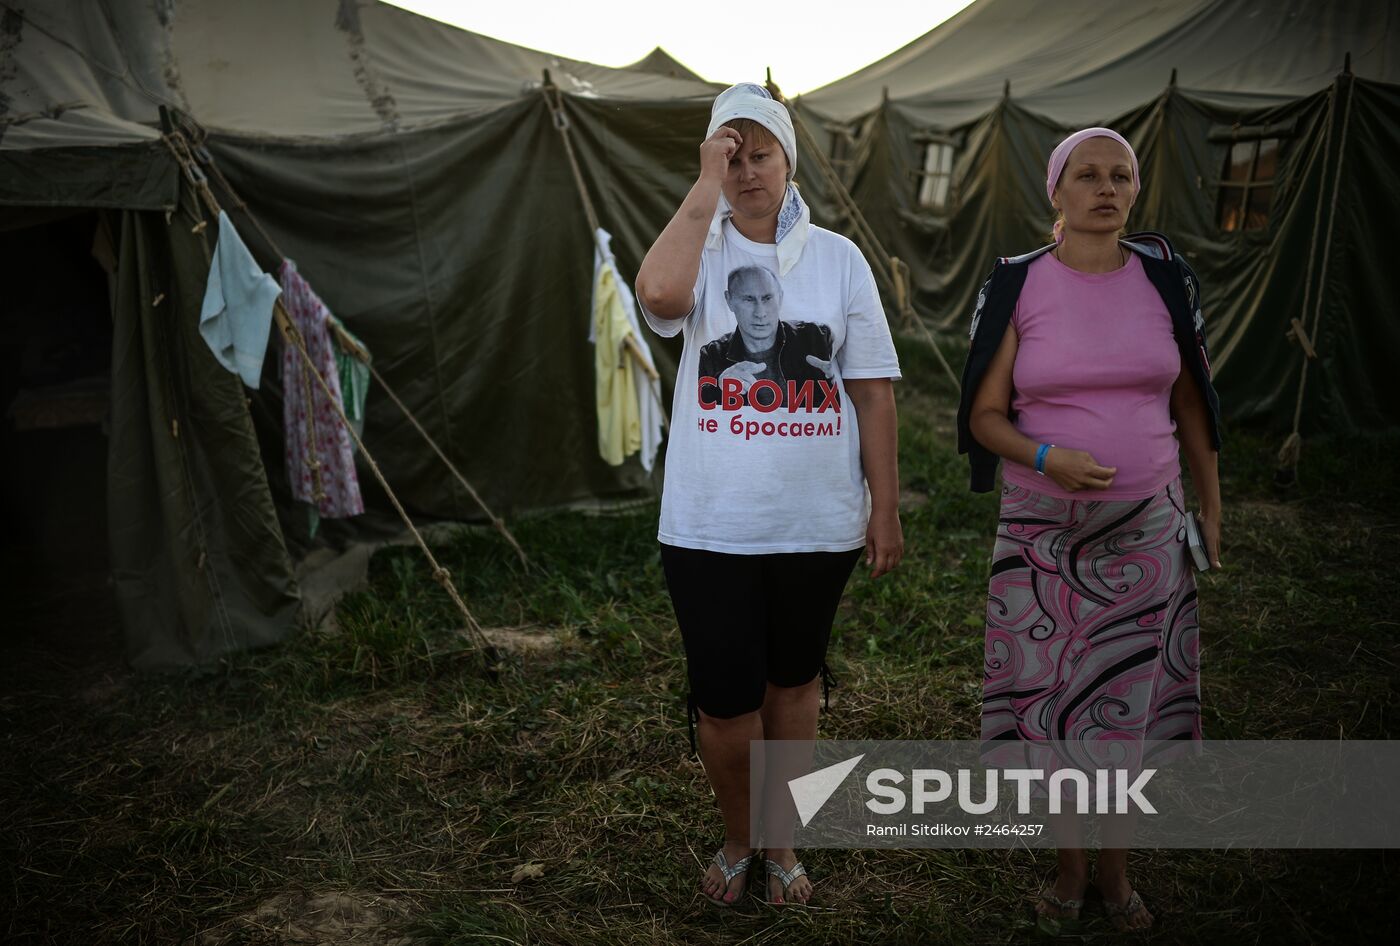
{"points": [[561, 124], [895, 271], [179, 147], [197, 152], [1291, 450]]}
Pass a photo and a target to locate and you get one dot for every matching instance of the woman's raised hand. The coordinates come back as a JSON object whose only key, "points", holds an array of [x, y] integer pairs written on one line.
{"points": [[716, 150], [1075, 470]]}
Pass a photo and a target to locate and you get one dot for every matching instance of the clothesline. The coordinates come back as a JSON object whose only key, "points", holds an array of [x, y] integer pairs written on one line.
{"points": [[639, 425], [561, 124], [180, 148], [192, 154]]}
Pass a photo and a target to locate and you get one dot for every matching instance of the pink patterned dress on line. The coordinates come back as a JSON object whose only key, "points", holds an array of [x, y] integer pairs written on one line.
{"points": [[322, 472]]}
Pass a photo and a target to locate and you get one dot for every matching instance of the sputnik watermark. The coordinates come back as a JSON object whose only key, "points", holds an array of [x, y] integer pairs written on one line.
{"points": [[811, 791], [935, 787], [1117, 785], [1165, 794]]}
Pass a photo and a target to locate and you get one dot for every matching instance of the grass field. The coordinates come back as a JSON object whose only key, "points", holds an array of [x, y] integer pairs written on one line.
{"points": [[366, 784]]}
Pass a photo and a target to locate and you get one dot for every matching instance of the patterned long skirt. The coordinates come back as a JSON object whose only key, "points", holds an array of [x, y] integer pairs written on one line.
{"points": [[1092, 630]]}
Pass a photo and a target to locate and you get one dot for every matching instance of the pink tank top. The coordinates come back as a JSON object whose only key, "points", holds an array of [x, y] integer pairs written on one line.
{"points": [[1095, 364]]}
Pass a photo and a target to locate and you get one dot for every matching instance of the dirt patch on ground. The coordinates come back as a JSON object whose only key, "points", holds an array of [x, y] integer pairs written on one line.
{"points": [[1272, 512], [345, 918], [531, 638]]}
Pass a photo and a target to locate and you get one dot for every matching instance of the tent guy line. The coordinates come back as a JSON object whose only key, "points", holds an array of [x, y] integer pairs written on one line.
{"points": [[462, 289], [895, 271], [198, 153], [1292, 448], [561, 124], [180, 148]]}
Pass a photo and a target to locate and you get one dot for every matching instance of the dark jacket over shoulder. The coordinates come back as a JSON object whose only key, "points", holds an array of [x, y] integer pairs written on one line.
{"points": [[1174, 281]]}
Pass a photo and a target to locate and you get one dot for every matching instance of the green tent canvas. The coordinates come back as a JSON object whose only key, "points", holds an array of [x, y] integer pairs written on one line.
{"points": [[415, 174], [1266, 164]]}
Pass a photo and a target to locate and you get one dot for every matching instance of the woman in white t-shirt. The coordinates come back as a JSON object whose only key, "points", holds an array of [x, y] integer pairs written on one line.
{"points": [[765, 509]]}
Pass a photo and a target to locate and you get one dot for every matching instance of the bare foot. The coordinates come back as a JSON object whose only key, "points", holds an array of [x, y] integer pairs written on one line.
{"points": [[1068, 886], [712, 884], [799, 891], [1124, 907]]}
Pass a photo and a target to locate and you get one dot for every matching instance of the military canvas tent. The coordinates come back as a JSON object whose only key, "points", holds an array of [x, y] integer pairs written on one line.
{"points": [[415, 174], [662, 63], [1266, 162]]}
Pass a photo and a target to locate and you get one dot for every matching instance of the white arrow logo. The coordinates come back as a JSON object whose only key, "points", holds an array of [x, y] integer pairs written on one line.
{"points": [[810, 791]]}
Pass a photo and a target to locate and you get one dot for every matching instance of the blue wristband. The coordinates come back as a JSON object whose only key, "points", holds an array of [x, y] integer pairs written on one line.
{"points": [[1040, 457]]}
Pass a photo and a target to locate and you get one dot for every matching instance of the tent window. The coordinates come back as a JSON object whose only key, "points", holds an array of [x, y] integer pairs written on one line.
{"points": [[1247, 184], [936, 178]]}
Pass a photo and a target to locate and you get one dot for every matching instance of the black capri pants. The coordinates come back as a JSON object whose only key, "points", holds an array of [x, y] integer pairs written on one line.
{"points": [[750, 620]]}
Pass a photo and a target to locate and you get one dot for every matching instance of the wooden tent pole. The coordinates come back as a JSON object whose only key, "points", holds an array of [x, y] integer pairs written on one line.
{"points": [[496, 522], [561, 124], [864, 232], [1292, 447], [895, 271], [180, 148], [353, 348]]}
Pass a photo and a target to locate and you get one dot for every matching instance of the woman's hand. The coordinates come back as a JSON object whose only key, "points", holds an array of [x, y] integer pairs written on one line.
{"points": [[1193, 430], [884, 542], [1075, 470], [1210, 532], [666, 279], [715, 152]]}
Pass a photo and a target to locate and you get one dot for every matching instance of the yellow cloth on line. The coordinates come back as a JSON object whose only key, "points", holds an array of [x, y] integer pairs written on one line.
{"points": [[619, 415]]}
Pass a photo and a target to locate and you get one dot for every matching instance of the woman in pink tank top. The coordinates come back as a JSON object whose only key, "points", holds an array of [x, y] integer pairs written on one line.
{"points": [[1092, 631]]}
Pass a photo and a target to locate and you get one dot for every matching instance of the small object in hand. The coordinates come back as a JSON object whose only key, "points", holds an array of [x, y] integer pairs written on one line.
{"points": [[1196, 543]]}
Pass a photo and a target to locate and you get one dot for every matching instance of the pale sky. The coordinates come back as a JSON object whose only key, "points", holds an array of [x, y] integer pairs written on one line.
{"points": [[806, 45]]}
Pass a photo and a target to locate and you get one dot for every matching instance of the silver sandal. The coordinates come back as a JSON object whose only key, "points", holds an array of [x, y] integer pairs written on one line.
{"points": [[785, 877], [1048, 896], [730, 872], [1052, 926], [1117, 912]]}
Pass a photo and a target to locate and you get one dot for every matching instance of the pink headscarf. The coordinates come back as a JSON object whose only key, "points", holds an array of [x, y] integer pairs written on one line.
{"points": [[1060, 155]]}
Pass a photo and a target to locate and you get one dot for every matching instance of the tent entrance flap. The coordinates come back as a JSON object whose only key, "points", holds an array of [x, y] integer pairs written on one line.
{"points": [[199, 562], [56, 343]]}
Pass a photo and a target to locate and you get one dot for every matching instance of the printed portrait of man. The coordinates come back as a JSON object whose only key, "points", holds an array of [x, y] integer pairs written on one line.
{"points": [[763, 346]]}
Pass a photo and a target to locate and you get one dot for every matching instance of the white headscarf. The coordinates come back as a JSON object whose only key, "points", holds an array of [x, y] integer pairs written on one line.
{"points": [[752, 101]]}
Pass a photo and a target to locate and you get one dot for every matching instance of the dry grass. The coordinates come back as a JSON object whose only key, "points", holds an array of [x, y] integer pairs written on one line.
{"points": [[364, 784]]}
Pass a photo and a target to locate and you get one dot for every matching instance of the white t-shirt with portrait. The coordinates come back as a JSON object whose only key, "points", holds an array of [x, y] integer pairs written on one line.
{"points": [[764, 450]]}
